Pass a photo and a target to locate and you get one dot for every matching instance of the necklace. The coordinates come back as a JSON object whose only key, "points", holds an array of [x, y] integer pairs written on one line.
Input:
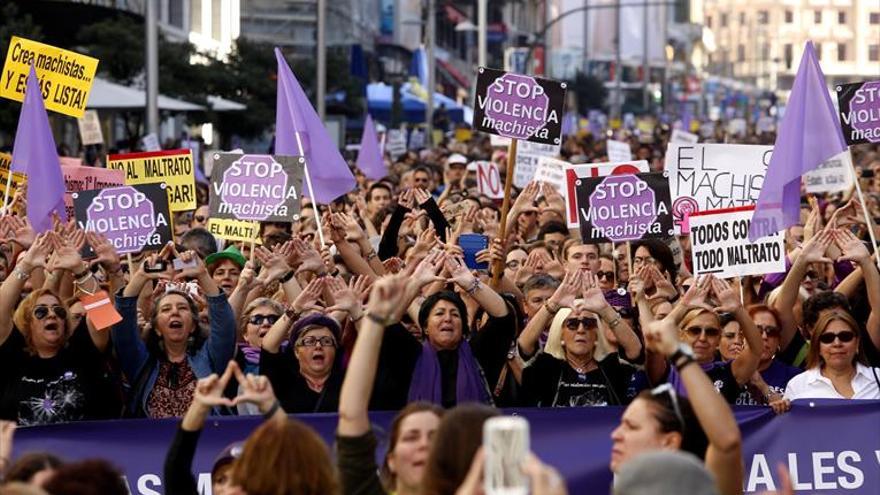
{"points": [[580, 370]]}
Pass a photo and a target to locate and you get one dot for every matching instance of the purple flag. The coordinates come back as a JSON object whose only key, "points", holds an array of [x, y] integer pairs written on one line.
{"points": [[369, 157], [34, 154], [808, 135], [294, 116]]}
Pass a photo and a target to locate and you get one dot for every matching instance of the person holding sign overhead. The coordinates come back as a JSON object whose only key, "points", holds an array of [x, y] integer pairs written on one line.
{"points": [[163, 370]]}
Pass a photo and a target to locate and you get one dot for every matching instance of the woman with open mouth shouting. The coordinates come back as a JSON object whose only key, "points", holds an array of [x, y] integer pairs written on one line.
{"points": [[163, 370], [51, 372]]}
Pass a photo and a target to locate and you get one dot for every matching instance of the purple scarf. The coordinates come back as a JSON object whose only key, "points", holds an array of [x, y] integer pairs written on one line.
{"points": [[251, 354], [426, 381]]}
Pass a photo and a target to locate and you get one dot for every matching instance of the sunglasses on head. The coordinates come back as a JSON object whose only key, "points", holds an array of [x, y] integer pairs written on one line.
{"points": [[844, 336], [709, 331], [574, 323], [605, 275], [259, 319], [41, 312], [669, 390]]}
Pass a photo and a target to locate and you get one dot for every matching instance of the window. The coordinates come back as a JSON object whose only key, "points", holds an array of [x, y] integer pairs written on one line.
{"points": [[874, 53], [789, 55], [874, 17], [724, 19], [216, 19], [765, 52], [742, 18], [841, 52], [841, 17], [196, 16], [763, 17], [819, 51], [709, 21], [789, 17], [817, 16], [741, 53]]}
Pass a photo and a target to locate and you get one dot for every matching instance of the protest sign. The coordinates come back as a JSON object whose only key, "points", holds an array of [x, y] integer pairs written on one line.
{"points": [[79, 178], [582, 170], [17, 178], [765, 123], [860, 111], [527, 157], [235, 230], [257, 188], [519, 107], [133, 218], [552, 172], [489, 180], [173, 167], [624, 208], [833, 175], [65, 77], [707, 129], [416, 139], [714, 176], [720, 245], [70, 161], [499, 141], [150, 142], [463, 135], [737, 127], [395, 143], [90, 128], [683, 137], [618, 151]]}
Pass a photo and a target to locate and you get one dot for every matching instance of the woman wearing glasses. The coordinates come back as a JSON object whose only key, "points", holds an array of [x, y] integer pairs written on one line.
{"points": [[52, 371], [569, 372], [836, 364], [255, 322], [768, 384], [660, 419]]}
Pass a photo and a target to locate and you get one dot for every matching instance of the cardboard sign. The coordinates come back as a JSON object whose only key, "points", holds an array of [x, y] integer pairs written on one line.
{"points": [[714, 176], [624, 208], [720, 245], [552, 172], [100, 310], [489, 180], [235, 230], [528, 155], [833, 175], [172, 167], [860, 111], [579, 171], [618, 151], [90, 128], [65, 77], [150, 142], [683, 137], [134, 218], [519, 107], [17, 178], [395, 143], [256, 188], [78, 179]]}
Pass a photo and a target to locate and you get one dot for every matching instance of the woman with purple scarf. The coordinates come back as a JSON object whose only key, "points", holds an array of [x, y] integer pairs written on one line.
{"points": [[254, 323], [455, 363]]}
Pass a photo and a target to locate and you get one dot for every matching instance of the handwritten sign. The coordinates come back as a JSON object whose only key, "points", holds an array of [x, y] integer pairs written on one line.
{"points": [[90, 128], [833, 175], [618, 151], [720, 245], [528, 155], [79, 179], [489, 180], [172, 167]]}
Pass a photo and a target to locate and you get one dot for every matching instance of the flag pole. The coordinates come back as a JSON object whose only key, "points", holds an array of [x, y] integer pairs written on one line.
{"points": [[6, 193], [309, 187], [498, 268], [868, 221]]}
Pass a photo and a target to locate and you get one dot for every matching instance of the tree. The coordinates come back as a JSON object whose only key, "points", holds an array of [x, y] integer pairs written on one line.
{"points": [[13, 23], [590, 92]]}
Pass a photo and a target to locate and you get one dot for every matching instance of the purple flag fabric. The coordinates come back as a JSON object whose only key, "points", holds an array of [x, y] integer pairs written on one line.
{"points": [[808, 135], [369, 157], [34, 154], [294, 116]]}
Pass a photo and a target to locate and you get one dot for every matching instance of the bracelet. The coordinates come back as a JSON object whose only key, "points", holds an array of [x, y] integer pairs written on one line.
{"points": [[82, 279], [272, 410], [616, 321], [292, 314], [680, 360], [289, 275], [82, 274], [359, 318], [20, 274], [371, 254], [378, 319], [475, 287]]}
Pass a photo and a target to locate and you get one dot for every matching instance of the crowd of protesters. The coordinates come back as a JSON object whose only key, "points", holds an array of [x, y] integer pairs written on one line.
{"points": [[385, 315]]}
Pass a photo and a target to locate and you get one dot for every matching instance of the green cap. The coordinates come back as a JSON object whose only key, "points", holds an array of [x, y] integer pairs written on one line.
{"points": [[231, 253]]}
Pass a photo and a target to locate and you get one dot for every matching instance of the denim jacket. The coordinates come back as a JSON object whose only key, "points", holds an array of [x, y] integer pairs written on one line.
{"points": [[141, 369]]}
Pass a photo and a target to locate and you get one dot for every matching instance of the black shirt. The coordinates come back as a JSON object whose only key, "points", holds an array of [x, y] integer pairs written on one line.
{"points": [[551, 382], [291, 388], [70, 386]]}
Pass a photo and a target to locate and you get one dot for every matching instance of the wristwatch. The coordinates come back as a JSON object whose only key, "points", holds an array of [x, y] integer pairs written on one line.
{"points": [[683, 356]]}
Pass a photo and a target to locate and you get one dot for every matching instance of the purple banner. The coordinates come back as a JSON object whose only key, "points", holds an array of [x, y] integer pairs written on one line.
{"points": [[860, 111], [828, 446]]}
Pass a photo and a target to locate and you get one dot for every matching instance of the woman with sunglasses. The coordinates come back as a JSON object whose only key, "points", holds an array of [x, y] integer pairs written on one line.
{"points": [[660, 419], [768, 384], [570, 372], [836, 364], [700, 328], [52, 371], [255, 322]]}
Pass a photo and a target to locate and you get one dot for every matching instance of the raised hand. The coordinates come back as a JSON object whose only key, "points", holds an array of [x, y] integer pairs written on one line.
{"points": [[22, 232], [393, 264], [593, 298], [814, 249], [571, 286], [191, 272], [387, 297], [35, 256], [663, 287], [527, 196], [852, 249], [527, 268], [309, 257], [697, 296], [353, 231], [728, 298], [248, 279], [421, 196], [308, 298], [636, 284], [662, 337], [105, 251], [345, 296], [209, 390], [459, 272], [274, 262], [65, 253], [427, 270], [254, 389]]}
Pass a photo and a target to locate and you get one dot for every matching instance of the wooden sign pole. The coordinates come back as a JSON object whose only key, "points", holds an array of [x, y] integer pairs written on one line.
{"points": [[498, 269]]}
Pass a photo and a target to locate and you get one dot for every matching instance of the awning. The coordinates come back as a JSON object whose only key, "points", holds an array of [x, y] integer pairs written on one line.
{"points": [[106, 95], [219, 104]]}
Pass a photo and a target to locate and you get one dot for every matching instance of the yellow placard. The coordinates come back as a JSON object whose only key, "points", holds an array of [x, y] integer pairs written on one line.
{"points": [[695, 125], [235, 230], [614, 123], [463, 135], [172, 167], [17, 178], [65, 77]]}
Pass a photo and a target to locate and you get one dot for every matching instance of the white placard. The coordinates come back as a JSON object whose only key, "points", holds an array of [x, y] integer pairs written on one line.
{"points": [[417, 139], [737, 127], [618, 151], [150, 142], [765, 124], [683, 137], [707, 129], [720, 245], [714, 176], [574, 172], [552, 171], [489, 180], [528, 155], [499, 141], [90, 128], [833, 175], [395, 143]]}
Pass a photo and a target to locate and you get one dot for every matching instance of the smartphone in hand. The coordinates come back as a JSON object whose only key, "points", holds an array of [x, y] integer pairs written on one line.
{"points": [[472, 244], [505, 446]]}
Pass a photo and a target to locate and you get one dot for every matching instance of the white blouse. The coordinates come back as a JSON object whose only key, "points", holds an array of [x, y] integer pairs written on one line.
{"points": [[812, 385]]}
